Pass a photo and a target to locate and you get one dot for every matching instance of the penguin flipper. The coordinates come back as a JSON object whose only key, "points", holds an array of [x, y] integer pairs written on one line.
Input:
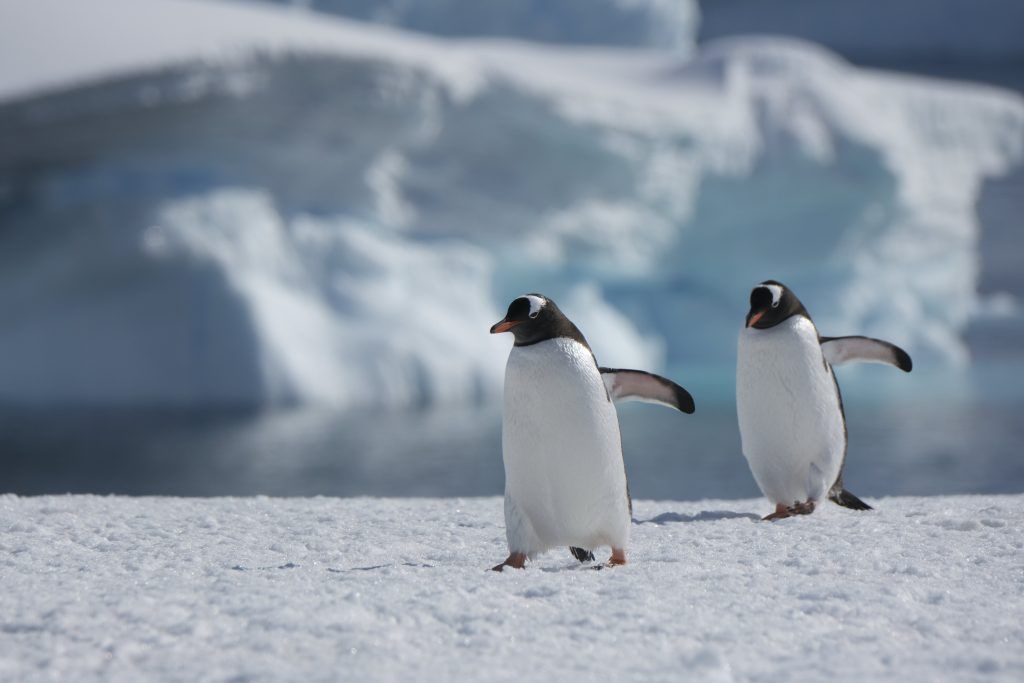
{"points": [[638, 385], [841, 496], [839, 350], [581, 555]]}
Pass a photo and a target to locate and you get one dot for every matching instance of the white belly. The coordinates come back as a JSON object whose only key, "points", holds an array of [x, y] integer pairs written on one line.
{"points": [[564, 478], [791, 422]]}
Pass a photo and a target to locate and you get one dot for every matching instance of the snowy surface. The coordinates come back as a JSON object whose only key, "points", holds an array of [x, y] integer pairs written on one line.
{"points": [[382, 589], [238, 203]]}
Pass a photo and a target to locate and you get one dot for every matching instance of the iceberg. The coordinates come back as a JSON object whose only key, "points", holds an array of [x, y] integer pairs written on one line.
{"points": [[246, 204], [664, 23]]}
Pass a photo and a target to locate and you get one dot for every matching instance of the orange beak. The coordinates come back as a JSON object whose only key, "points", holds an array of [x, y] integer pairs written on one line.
{"points": [[754, 318], [504, 326]]}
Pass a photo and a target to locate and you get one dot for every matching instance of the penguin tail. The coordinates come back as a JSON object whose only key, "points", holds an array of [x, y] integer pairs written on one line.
{"points": [[582, 555], [841, 496]]}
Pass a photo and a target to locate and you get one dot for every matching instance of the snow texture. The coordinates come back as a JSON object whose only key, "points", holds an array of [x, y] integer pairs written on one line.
{"points": [[236, 203], [127, 589]]}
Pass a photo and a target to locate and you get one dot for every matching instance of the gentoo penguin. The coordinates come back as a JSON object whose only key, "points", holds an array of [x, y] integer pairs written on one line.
{"points": [[792, 425], [565, 481]]}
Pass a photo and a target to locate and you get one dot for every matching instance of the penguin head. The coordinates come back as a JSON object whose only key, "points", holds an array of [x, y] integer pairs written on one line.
{"points": [[771, 302], [532, 318]]}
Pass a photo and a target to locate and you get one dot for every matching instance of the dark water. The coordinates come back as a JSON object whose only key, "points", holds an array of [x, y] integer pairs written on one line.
{"points": [[897, 446]]}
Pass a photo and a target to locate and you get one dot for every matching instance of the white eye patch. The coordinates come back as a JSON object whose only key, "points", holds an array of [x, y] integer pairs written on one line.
{"points": [[776, 292], [536, 303]]}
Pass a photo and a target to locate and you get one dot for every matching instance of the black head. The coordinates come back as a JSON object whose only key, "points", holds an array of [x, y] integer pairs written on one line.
{"points": [[534, 318], [771, 303]]}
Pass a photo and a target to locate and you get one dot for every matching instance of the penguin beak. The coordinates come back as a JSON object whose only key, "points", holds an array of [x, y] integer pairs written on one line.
{"points": [[504, 325], [754, 317]]}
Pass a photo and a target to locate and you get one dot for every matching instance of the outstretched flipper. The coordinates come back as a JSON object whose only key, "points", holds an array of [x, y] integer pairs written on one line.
{"points": [[637, 385], [839, 350], [581, 555]]}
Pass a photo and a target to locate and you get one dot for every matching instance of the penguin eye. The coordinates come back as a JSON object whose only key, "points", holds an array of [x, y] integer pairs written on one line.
{"points": [[775, 304], [535, 304]]}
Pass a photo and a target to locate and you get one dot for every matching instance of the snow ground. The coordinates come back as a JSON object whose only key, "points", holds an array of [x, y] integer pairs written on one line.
{"points": [[386, 589]]}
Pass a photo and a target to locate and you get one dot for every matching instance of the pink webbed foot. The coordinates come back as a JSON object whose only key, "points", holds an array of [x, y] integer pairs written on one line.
{"points": [[804, 508], [514, 560], [781, 512], [618, 557]]}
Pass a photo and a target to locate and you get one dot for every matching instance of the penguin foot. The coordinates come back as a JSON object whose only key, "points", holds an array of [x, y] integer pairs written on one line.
{"points": [[781, 512], [805, 508], [618, 557], [514, 560]]}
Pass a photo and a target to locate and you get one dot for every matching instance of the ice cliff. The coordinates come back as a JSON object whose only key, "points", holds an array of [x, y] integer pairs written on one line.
{"points": [[206, 202]]}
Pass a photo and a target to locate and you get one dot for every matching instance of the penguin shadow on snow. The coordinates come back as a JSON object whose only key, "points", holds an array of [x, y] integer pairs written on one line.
{"points": [[374, 567], [702, 516], [333, 570]]}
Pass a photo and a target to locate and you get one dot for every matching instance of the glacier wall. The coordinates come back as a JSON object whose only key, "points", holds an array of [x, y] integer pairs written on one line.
{"points": [[341, 226], [657, 23]]}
